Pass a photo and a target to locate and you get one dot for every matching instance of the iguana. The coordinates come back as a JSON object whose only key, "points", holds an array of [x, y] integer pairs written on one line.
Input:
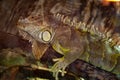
{"points": [[77, 30]]}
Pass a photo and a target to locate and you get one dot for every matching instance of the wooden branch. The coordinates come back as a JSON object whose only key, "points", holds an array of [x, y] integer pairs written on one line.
{"points": [[86, 70]]}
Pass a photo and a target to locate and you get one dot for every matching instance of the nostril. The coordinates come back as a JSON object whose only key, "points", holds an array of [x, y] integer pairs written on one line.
{"points": [[20, 26]]}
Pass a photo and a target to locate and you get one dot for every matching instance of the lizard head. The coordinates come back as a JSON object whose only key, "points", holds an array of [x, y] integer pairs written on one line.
{"points": [[41, 33], [38, 34]]}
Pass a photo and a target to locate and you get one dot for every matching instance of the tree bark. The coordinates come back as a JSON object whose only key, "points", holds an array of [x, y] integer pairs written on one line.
{"points": [[10, 12]]}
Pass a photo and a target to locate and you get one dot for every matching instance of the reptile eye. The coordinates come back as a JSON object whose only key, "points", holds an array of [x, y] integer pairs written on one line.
{"points": [[45, 36]]}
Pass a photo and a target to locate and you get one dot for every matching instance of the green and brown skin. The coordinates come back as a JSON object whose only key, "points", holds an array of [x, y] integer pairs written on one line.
{"points": [[68, 41]]}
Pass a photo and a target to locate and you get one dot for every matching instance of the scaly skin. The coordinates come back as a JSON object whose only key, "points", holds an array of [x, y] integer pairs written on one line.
{"points": [[76, 35]]}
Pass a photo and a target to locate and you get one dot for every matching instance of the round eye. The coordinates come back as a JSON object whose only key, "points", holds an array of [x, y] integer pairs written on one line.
{"points": [[45, 36]]}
